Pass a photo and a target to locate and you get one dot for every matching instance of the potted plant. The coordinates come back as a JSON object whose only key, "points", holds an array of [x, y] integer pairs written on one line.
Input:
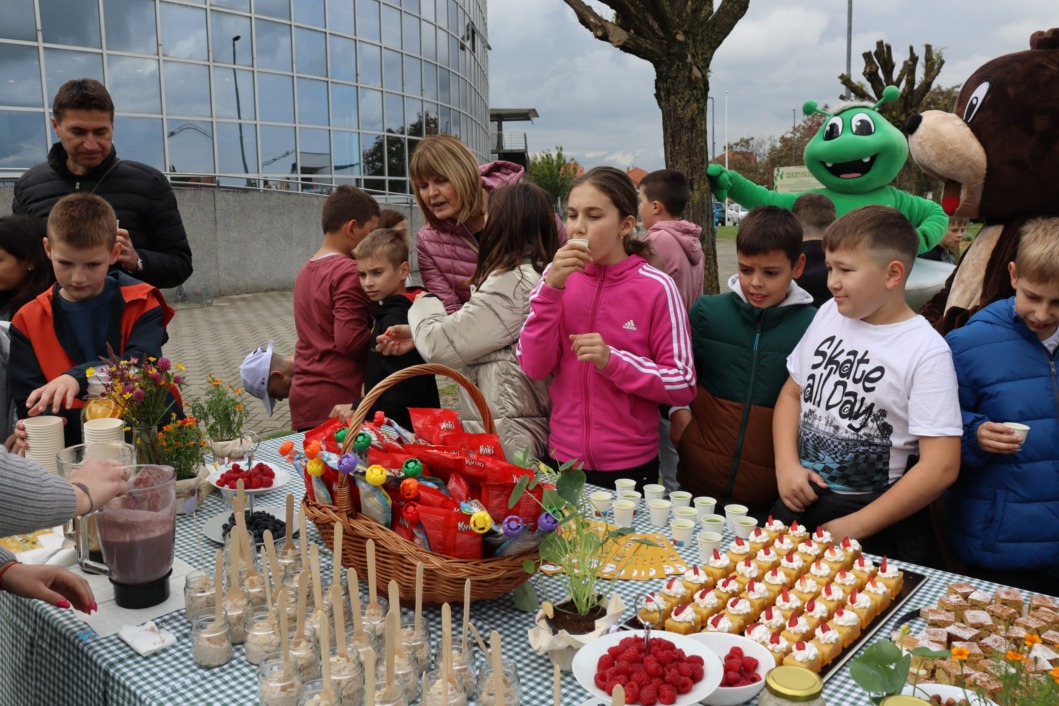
{"points": [[224, 413], [182, 445], [584, 607]]}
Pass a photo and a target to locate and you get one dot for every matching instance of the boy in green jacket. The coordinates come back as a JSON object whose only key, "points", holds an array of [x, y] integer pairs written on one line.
{"points": [[741, 342]]}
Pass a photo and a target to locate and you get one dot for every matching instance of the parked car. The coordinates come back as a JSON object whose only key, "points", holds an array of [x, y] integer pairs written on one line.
{"points": [[736, 214], [718, 214]]}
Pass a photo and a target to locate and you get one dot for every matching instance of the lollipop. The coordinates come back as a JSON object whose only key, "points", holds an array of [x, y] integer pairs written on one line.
{"points": [[362, 441], [547, 522], [481, 522], [410, 488], [316, 467], [513, 526], [340, 435], [412, 468], [313, 449], [411, 513], [347, 463], [376, 475]]}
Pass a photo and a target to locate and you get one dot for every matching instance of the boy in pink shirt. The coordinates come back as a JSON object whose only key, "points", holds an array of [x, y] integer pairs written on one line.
{"points": [[676, 249], [332, 314]]}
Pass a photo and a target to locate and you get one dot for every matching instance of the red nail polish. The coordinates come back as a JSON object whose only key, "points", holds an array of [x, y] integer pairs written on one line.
{"points": [[63, 603]]}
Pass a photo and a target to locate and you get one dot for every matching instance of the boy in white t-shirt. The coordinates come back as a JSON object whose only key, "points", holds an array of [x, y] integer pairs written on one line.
{"points": [[867, 429]]}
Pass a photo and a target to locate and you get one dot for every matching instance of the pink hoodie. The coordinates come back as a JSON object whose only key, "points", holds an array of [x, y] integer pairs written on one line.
{"points": [[609, 418], [678, 253], [448, 254]]}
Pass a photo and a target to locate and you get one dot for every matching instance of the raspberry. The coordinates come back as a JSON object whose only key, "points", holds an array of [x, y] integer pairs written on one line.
{"points": [[667, 695], [648, 696], [735, 652], [639, 678], [684, 669], [606, 661], [600, 681], [615, 651], [666, 657], [695, 659], [673, 679], [653, 669], [733, 664], [632, 693], [685, 685], [698, 672], [754, 678], [730, 678], [750, 664]]}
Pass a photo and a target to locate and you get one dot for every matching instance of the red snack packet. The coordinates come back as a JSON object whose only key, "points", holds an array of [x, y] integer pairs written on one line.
{"points": [[438, 523], [325, 434], [432, 497], [459, 490], [442, 461], [429, 424], [466, 543], [480, 444]]}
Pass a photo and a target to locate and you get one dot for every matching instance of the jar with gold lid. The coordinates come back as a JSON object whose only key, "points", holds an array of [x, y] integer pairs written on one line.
{"points": [[903, 700], [788, 685]]}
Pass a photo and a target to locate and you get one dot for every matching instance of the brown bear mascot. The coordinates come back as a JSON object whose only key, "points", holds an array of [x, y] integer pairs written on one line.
{"points": [[998, 155]]}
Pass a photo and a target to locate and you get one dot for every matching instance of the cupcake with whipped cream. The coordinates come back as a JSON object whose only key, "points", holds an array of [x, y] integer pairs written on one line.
{"points": [[783, 543], [822, 537], [774, 582], [758, 633], [683, 620], [774, 527], [891, 575], [806, 587], [739, 612], [772, 619], [863, 568], [797, 532], [759, 539], [746, 570], [805, 654], [718, 566], [720, 623], [796, 628], [832, 596], [879, 593], [778, 646], [828, 641], [757, 593], [821, 571], [835, 557], [793, 565], [767, 558], [695, 579], [787, 603], [847, 623], [706, 604], [739, 550], [815, 613], [862, 605], [673, 593]]}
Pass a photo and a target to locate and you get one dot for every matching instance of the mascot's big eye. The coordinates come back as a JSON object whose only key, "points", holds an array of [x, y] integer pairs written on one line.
{"points": [[833, 128], [975, 101], [862, 124]]}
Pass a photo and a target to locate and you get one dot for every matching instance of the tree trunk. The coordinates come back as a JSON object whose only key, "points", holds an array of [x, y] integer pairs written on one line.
{"points": [[682, 99]]}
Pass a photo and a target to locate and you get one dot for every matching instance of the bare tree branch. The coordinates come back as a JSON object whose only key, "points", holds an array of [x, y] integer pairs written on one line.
{"points": [[613, 33]]}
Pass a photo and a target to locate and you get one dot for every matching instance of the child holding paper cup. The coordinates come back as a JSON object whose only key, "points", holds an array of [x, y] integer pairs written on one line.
{"points": [[1002, 507]]}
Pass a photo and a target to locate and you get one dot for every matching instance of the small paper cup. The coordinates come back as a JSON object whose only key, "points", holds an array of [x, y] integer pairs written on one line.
{"points": [[682, 530], [654, 491], [744, 526], [733, 511], [1021, 430], [685, 513], [705, 505], [601, 500], [623, 512], [624, 484], [708, 541], [713, 523], [581, 241], [659, 510], [680, 498]]}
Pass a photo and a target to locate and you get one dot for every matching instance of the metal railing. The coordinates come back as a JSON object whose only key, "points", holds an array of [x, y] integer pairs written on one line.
{"points": [[508, 141]]}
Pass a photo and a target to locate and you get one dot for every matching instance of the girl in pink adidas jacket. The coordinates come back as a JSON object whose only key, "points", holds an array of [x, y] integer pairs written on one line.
{"points": [[613, 331]]}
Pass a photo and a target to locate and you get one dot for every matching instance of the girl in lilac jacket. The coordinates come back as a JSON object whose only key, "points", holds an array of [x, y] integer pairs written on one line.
{"points": [[453, 194], [614, 333]]}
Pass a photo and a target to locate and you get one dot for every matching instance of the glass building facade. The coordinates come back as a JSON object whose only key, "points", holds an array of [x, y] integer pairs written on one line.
{"points": [[288, 94]]}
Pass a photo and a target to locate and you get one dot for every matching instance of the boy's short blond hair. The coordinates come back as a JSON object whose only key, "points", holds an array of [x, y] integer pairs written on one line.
{"points": [[1038, 257], [386, 243], [882, 232], [83, 221]]}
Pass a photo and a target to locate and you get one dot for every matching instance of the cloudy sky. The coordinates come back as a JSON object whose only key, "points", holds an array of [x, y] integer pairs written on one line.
{"points": [[598, 102]]}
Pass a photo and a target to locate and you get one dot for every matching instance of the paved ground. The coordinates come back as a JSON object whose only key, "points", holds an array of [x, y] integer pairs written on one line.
{"points": [[213, 339]]}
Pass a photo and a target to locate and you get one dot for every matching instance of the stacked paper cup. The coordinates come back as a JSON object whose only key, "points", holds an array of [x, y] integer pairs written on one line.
{"points": [[104, 431], [45, 437]]}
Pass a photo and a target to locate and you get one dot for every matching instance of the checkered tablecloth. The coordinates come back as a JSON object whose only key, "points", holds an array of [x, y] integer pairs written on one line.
{"points": [[48, 656]]}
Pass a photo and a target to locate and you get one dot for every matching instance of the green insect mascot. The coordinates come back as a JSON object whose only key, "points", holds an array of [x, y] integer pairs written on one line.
{"points": [[855, 155]]}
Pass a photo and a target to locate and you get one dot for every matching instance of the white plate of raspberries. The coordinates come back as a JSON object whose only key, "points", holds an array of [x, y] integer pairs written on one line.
{"points": [[678, 670]]}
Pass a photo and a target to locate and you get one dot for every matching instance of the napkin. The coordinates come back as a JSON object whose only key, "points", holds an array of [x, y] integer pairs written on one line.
{"points": [[147, 638]]}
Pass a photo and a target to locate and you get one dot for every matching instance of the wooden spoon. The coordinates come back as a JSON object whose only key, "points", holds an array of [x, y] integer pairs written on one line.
{"points": [[314, 572], [466, 617], [393, 639], [557, 686], [446, 649], [336, 557], [498, 667], [339, 607], [373, 599], [284, 626], [419, 599], [273, 560], [354, 604], [618, 696], [218, 586], [233, 566], [303, 598], [289, 545], [268, 584], [395, 606], [369, 677], [325, 660], [304, 538]]}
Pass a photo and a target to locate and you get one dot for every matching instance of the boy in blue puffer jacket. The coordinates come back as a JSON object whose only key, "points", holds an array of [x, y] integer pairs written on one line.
{"points": [[1004, 508]]}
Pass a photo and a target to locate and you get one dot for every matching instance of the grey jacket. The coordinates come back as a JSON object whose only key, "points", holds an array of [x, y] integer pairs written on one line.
{"points": [[31, 498], [479, 340]]}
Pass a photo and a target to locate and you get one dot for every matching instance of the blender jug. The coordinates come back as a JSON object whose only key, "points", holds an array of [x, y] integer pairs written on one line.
{"points": [[137, 532], [69, 460]]}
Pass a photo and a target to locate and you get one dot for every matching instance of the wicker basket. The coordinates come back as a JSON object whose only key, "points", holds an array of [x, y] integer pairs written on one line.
{"points": [[396, 557]]}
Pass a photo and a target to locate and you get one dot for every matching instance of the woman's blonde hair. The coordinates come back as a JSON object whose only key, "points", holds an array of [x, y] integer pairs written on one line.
{"points": [[445, 157]]}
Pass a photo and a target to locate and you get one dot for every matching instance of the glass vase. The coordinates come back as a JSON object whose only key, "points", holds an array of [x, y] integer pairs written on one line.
{"points": [[145, 441]]}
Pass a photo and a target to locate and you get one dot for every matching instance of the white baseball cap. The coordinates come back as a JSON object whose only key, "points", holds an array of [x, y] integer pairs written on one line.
{"points": [[254, 371]]}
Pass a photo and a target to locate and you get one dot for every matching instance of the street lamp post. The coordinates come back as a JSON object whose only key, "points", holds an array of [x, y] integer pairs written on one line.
{"points": [[713, 128], [727, 216], [849, 42], [239, 113], [794, 130]]}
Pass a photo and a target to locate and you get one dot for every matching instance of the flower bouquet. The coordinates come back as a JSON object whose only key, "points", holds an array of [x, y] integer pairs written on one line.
{"points": [[224, 413]]}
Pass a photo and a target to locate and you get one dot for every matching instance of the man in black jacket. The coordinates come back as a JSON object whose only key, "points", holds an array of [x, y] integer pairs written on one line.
{"points": [[154, 244]]}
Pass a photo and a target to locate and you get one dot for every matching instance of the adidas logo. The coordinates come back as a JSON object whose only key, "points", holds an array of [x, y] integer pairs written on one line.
{"points": [[629, 325]]}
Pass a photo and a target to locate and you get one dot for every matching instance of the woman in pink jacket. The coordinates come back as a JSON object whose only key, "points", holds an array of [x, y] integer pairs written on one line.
{"points": [[453, 193], [614, 333]]}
